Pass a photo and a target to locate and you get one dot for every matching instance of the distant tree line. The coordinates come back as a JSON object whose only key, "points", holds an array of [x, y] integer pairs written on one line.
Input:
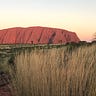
{"points": [[94, 38]]}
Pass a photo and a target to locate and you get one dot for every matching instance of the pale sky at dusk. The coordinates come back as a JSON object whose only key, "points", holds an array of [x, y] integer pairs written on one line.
{"points": [[74, 15]]}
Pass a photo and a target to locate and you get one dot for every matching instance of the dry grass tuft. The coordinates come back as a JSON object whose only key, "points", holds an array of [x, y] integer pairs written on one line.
{"points": [[56, 72]]}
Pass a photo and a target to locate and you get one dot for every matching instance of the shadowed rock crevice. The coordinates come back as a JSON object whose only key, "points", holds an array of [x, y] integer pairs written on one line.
{"points": [[40, 36], [52, 38]]}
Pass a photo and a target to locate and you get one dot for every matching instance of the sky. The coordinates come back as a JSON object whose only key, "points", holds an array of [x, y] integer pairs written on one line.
{"points": [[74, 15]]}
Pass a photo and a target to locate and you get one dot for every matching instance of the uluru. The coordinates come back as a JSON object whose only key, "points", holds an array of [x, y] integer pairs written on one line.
{"points": [[37, 35]]}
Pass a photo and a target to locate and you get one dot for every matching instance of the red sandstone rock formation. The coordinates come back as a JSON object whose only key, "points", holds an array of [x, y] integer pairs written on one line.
{"points": [[37, 35]]}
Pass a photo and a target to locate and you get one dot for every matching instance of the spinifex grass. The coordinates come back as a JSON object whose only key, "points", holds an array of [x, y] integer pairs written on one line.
{"points": [[56, 72]]}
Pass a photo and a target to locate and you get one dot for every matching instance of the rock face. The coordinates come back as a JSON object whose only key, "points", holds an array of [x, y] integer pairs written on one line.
{"points": [[37, 35]]}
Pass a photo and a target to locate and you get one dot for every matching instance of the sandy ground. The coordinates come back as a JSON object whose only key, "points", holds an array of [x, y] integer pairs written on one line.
{"points": [[4, 86], [5, 91]]}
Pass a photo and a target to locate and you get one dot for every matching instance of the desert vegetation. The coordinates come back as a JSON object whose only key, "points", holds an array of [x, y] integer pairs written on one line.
{"points": [[53, 70]]}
